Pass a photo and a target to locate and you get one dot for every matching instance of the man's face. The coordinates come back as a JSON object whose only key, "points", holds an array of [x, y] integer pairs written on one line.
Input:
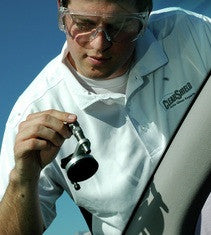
{"points": [[100, 58]]}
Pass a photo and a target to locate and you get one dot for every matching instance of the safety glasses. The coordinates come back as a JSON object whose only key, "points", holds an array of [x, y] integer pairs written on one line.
{"points": [[84, 27]]}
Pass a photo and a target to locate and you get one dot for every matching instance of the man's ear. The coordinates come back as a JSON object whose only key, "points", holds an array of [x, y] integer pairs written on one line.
{"points": [[59, 3]]}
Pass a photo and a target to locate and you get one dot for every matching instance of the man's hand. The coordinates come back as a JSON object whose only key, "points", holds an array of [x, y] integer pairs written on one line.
{"points": [[38, 141]]}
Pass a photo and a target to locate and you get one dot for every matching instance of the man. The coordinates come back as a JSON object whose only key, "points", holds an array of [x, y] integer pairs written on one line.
{"points": [[127, 85]]}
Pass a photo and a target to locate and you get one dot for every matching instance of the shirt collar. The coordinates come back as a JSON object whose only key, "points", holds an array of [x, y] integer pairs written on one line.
{"points": [[149, 55], [82, 97]]}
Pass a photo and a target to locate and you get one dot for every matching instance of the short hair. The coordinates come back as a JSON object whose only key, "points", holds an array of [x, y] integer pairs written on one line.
{"points": [[141, 5]]}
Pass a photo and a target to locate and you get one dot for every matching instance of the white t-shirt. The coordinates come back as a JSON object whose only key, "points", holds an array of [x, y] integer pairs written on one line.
{"points": [[128, 132], [100, 86]]}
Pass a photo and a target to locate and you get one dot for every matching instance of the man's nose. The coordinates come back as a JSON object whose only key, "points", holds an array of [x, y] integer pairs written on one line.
{"points": [[100, 40]]}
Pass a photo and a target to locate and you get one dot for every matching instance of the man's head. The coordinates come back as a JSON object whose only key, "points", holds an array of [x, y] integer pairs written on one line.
{"points": [[141, 5], [101, 34]]}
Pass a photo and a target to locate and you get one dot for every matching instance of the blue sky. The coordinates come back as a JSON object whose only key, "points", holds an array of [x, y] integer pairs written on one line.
{"points": [[29, 39]]}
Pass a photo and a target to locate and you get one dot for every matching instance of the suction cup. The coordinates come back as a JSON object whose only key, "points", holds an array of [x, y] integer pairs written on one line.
{"points": [[79, 168]]}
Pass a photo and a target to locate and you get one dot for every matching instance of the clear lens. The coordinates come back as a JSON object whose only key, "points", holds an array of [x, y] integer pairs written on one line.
{"points": [[85, 28]]}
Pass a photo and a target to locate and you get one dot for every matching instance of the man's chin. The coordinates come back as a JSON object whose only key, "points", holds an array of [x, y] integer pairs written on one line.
{"points": [[96, 74]]}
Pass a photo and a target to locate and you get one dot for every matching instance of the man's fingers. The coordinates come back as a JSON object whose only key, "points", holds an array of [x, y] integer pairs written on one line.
{"points": [[62, 116], [41, 132], [44, 119], [41, 136], [23, 148], [34, 150]]}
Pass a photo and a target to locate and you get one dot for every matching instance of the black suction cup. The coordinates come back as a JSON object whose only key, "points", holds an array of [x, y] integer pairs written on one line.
{"points": [[80, 165], [79, 168]]}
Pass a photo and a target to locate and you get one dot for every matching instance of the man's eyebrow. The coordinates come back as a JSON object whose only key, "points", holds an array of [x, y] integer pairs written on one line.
{"points": [[83, 18]]}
